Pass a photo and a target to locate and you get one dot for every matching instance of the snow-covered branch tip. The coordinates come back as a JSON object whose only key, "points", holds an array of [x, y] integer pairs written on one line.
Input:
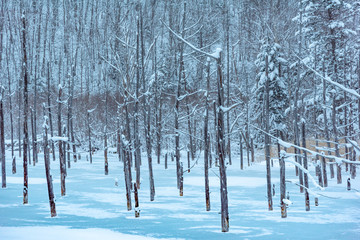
{"points": [[328, 79], [91, 110], [305, 171], [215, 55], [338, 160]]}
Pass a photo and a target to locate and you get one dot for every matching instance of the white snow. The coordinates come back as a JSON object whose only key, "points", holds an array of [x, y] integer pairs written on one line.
{"points": [[94, 208], [63, 232]]}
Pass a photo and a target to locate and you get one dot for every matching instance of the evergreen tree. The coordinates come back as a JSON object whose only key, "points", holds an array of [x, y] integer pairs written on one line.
{"points": [[278, 96]]}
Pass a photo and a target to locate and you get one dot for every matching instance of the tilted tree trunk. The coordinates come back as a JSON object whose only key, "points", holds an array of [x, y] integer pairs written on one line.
{"points": [[47, 166], [125, 148], [147, 114], [221, 149]]}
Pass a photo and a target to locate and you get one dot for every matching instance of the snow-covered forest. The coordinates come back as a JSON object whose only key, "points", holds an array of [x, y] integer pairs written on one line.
{"points": [[201, 119]]}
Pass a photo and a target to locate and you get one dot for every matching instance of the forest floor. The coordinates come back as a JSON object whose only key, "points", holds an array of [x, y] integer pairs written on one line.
{"points": [[94, 208]]}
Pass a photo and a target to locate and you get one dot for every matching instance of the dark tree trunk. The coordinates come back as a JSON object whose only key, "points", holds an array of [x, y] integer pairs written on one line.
{"points": [[282, 186], [49, 112], [306, 180], [89, 134], [61, 150], [13, 157], [323, 164], [267, 138], [221, 149], [241, 153], [126, 163], [2, 142], [337, 154], [206, 139], [26, 106], [47, 166], [181, 177], [136, 197], [33, 139]]}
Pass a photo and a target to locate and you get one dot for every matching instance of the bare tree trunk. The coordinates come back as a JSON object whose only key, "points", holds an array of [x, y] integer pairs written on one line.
{"points": [[47, 166], [241, 153], [206, 139], [2, 142], [296, 109], [252, 152], [106, 163], [319, 174], [61, 150], [306, 180], [338, 166], [227, 32], [33, 134], [49, 111], [158, 109], [216, 136], [136, 117], [13, 157], [26, 106], [125, 148], [177, 103], [326, 128], [221, 149], [181, 177], [267, 139], [282, 186], [19, 116], [323, 164], [136, 197], [89, 134]]}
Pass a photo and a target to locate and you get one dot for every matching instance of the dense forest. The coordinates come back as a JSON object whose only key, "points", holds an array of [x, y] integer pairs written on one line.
{"points": [[166, 77]]}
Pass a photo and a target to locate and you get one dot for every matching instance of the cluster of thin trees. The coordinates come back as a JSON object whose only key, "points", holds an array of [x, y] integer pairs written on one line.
{"points": [[144, 76]]}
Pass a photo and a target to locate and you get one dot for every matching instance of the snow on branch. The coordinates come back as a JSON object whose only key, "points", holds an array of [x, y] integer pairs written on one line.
{"points": [[305, 171], [328, 79], [227, 109], [338, 160], [213, 56], [355, 145]]}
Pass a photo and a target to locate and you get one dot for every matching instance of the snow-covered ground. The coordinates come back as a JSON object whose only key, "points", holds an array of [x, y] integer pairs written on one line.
{"points": [[94, 208]]}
